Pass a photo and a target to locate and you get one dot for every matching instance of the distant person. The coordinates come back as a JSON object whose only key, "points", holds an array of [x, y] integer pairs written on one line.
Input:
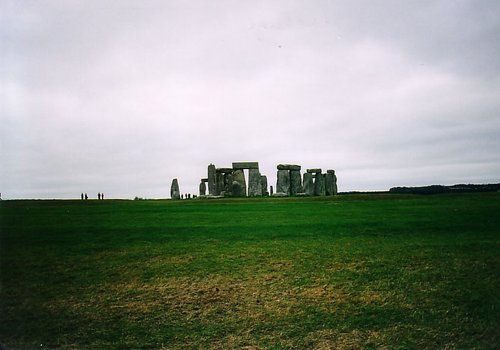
{"points": [[81, 196], [86, 197], [102, 196], [99, 196]]}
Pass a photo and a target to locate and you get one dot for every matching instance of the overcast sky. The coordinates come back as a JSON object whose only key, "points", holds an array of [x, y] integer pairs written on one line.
{"points": [[122, 96]]}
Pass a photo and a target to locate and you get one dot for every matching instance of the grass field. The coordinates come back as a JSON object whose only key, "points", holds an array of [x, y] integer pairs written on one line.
{"points": [[349, 272]]}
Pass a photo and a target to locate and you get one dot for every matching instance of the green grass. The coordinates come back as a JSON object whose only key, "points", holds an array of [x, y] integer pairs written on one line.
{"points": [[349, 272]]}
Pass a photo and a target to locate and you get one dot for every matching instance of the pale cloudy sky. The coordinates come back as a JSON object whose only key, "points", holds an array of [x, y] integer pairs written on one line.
{"points": [[123, 96]]}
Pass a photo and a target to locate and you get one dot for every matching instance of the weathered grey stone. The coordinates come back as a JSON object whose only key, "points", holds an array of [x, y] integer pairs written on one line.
{"points": [[212, 182], [245, 165], [329, 184], [283, 182], [174, 190], [288, 167], [254, 184], [204, 180], [314, 171], [319, 184], [295, 182], [219, 181], [203, 189], [280, 194], [239, 177], [224, 170], [263, 182], [308, 184], [236, 189], [228, 181]]}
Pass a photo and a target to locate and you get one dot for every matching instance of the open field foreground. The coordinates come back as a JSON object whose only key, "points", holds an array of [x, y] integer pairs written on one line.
{"points": [[349, 272]]}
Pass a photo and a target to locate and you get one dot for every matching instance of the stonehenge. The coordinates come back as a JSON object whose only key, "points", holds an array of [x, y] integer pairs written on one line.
{"points": [[231, 182]]}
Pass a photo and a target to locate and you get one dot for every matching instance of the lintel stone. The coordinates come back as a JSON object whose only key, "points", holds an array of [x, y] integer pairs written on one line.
{"points": [[314, 171], [245, 165], [224, 170], [288, 167]]}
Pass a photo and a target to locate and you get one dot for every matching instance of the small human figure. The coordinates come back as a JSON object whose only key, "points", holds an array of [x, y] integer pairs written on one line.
{"points": [[102, 196], [81, 196], [86, 197], [99, 196]]}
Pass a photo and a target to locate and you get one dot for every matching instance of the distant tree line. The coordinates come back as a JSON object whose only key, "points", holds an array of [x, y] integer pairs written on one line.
{"points": [[434, 189]]}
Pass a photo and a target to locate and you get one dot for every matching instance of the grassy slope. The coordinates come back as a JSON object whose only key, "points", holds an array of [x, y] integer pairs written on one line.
{"points": [[353, 271]]}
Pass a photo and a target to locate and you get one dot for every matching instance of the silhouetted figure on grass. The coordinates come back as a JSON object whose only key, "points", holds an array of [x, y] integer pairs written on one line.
{"points": [[99, 196], [81, 196], [86, 197], [102, 196]]}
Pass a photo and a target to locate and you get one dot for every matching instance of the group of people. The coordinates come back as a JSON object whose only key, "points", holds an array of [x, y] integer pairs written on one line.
{"points": [[84, 196]]}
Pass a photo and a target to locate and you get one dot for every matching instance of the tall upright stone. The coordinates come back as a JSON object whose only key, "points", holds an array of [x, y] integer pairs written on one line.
{"points": [[174, 190], [239, 177], [319, 184], [236, 189], [203, 189], [254, 183], [263, 181], [330, 183], [219, 183], [212, 182], [308, 184], [228, 182], [283, 182], [295, 182]]}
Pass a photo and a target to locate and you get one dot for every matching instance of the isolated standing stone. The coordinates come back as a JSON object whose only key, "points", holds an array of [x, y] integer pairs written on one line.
{"points": [[319, 185], [283, 182], [308, 184], [263, 182], [295, 182], [254, 183], [239, 177], [212, 185], [174, 190], [203, 189]]}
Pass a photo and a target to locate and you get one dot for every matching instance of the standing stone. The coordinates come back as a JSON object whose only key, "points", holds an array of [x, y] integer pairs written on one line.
{"points": [[239, 177], [308, 184], [283, 183], [335, 189], [295, 182], [228, 181], [263, 181], [236, 189], [203, 189], [271, 190], [212, 184], [219, 183], [174, 190], [319, 185], [329, 183], [254, 183]]}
